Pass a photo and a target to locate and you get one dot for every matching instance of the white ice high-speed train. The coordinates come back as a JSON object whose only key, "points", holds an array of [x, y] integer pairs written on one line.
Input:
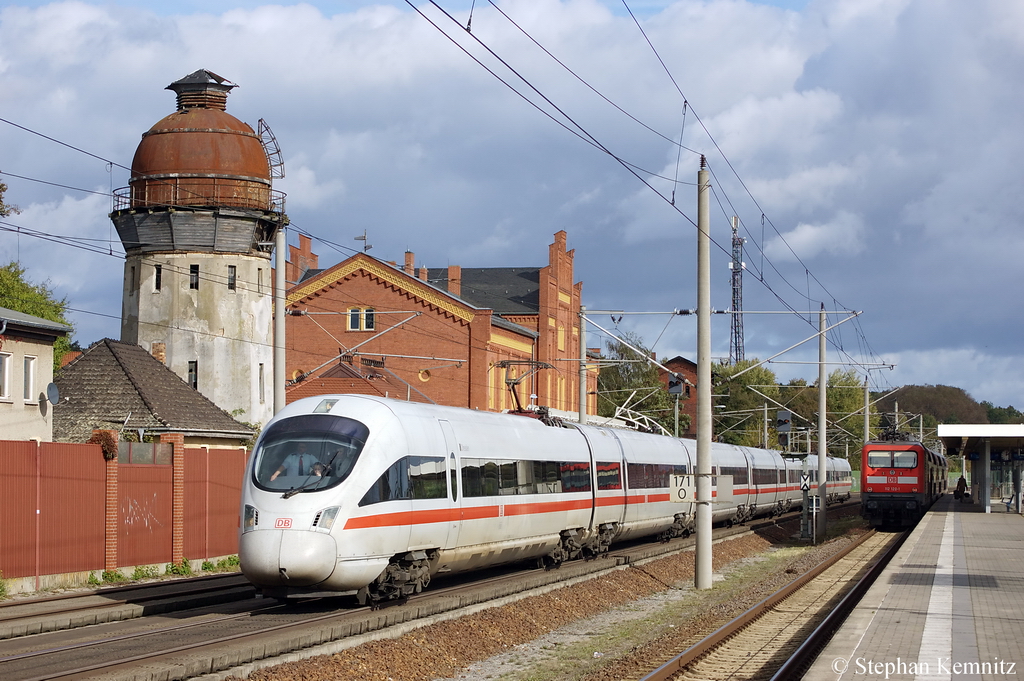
{"points": [[375, 496]]}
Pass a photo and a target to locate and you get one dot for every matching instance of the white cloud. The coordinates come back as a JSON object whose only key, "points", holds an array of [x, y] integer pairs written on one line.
{"points": [[842, 235]]}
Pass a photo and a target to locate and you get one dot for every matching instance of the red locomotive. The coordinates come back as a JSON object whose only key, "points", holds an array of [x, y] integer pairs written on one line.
{"points": [[900, 479]]}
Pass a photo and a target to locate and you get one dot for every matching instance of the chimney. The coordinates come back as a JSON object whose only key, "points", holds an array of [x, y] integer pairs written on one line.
{"points": [[202, 90], [159, 351], [455, 280], [423, 273], [410, 260]]}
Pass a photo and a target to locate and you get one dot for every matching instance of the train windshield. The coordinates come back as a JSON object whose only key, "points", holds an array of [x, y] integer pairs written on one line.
{"points": [[889, 459], [308, 453]]}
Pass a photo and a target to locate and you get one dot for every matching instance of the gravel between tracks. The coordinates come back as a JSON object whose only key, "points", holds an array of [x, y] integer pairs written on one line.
{"points": [[605, 629]]}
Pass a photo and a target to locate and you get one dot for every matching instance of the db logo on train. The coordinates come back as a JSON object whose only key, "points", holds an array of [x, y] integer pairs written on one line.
{"points": [[283, 524]]}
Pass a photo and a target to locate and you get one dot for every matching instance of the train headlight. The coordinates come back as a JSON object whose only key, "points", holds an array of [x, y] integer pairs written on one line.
{"points": [[324, 520], [911, 505], [250, 518], [872, 504]]}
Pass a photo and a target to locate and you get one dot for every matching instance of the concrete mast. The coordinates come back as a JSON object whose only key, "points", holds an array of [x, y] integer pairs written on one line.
{"points": [[703, 564]]}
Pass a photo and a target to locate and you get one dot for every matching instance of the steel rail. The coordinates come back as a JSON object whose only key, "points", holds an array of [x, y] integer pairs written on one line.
{"points": [[715, 639], [809, 649]]}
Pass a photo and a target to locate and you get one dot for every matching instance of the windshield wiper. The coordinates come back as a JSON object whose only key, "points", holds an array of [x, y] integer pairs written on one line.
{"points": [[313, 483]]}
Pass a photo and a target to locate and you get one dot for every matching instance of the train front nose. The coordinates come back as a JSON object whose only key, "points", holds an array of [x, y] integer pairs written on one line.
{"points": [[287, 557]]}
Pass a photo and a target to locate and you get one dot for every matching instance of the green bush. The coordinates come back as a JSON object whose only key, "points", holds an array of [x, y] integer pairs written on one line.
{"points": [[113, 577], [144, 572], [229, 563], [94, 580], [3, 587], [208, 566], [181, 569]]}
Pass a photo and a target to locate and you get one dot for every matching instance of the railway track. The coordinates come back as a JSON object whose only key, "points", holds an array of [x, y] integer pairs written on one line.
{"points": [[182, 635], [776, 638]]}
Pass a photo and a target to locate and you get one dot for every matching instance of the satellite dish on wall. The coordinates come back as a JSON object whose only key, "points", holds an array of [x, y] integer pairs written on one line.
{"points": [[52, 394]]}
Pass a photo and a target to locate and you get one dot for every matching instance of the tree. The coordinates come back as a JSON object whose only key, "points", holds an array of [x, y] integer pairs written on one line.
{"points": [[19, 294], [6, 209], [630, 379], [738, 410], [1002, 414]]}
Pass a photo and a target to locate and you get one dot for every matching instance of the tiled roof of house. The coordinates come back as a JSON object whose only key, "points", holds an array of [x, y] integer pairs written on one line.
{"points": [[343, 379], [506, 290], [117, 385]]}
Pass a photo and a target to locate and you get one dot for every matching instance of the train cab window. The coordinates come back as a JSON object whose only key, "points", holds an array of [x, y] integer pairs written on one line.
{"points": [[892, 459], [904, 459], [309, 453]]}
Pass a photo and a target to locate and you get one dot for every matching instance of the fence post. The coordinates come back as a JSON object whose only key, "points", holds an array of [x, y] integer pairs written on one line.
{"points": [[111, 522], [177, 496]]}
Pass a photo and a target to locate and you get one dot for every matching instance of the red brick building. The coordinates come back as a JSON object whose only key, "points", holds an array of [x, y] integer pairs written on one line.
{"points": [[437, 335], [688, 397]]}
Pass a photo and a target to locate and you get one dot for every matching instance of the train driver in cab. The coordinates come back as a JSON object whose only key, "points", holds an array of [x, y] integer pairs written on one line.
{"points": [[299, 462]]}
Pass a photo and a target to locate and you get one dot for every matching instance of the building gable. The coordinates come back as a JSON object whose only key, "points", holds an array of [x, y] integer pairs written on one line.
{"points": [[386, 274]]}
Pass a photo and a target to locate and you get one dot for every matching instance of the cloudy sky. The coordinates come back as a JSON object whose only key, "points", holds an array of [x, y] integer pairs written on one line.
{"points": [[870, 148]]}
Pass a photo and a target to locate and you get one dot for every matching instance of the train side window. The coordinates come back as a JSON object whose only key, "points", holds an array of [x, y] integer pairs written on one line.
{"points": [[547, 478], [575, 477], [609, 475], [904, 459], [426, 477]]}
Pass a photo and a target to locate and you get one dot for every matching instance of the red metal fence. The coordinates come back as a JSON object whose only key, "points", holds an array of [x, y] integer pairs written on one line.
{"points": [[213, 481], [54, 516]]}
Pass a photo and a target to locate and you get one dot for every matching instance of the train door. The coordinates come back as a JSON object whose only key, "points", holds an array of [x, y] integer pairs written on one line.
{"points": [[451, 448], [609, 465]]}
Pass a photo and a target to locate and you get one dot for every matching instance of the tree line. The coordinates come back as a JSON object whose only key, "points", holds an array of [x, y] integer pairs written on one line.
{"points": [[740, 395]]}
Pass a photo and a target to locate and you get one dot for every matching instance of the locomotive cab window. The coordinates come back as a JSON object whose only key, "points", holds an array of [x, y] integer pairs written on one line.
{"points": [[311, 452], [891, 459]]}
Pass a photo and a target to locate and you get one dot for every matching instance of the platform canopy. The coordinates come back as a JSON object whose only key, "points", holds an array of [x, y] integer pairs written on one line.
{"points": [[965, 438]]}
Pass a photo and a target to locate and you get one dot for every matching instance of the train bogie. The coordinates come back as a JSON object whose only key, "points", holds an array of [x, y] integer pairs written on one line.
{"points": [[356, 493]]}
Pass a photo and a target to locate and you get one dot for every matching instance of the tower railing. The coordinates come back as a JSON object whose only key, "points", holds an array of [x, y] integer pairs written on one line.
{"points": [[211, 192]]}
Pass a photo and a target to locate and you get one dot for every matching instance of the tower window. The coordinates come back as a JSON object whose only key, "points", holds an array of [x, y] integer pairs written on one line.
{"points": [[158, 277], [193, 277], [231, 277], [131, 280], [193, 374], [259, 281], [262, 384]]}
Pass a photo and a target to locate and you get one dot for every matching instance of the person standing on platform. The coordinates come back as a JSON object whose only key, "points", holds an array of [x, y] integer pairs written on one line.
{"points": [[961, 488]]}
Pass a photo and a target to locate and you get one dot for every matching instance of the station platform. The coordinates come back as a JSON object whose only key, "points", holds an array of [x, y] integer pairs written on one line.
{"points": [[949, 606]]}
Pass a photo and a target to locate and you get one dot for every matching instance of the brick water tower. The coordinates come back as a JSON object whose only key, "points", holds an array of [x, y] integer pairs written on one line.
{"points": [[197, 223]]}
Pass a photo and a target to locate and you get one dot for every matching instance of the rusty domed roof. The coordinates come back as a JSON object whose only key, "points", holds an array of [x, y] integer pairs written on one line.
{"points": [[200, 154]]}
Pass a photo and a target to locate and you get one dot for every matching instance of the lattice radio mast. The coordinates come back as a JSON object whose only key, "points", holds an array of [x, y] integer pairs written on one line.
{"points": [[737, 266]]}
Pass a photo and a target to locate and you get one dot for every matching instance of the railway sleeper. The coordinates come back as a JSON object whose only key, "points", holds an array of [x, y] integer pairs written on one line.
{"points": [[406, 574]]}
